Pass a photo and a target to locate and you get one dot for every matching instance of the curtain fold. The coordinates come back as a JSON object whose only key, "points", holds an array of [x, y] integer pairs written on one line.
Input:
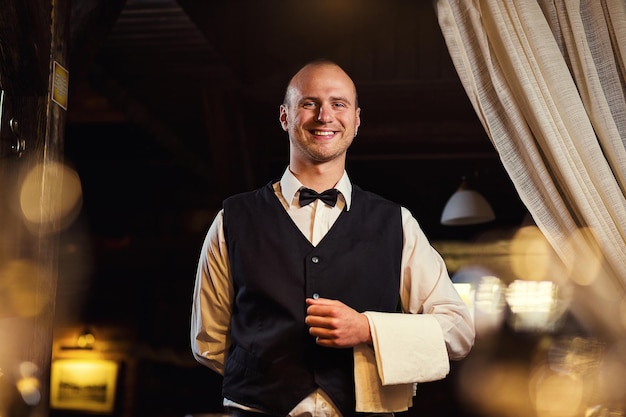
{"points": [[546, 79]]}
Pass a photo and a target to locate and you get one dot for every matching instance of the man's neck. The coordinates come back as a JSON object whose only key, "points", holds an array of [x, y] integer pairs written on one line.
{"points": [[318, 177]]}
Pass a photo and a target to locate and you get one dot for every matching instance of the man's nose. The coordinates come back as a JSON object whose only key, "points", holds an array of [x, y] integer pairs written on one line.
{"points": [[324, 114]]}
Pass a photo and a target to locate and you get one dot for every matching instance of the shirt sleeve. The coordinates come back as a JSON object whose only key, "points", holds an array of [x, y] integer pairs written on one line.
{"points": [[212, 300], [418, 348]]}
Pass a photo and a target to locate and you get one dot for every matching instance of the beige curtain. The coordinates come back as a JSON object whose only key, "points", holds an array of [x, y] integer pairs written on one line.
{"points": [[546, 79]]}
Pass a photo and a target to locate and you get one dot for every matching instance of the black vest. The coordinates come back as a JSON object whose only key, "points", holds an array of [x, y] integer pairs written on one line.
{"points": [[273, 362]]}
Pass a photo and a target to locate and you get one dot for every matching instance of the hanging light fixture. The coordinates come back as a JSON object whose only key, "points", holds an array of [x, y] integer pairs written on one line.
{"points": [[465, 207]]}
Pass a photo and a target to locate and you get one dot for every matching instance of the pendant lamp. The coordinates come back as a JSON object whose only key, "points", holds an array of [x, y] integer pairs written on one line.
{"points": [[466, 207]]}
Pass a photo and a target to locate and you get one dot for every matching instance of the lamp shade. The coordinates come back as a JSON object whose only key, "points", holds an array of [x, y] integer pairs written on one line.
{"points": [[466, 207]]}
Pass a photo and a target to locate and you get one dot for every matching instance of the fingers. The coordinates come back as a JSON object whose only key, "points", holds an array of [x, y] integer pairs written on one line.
{"points": [[323, 302], [322, 320], [322, 316], [326, 337], [334, 324], [323, 307]]}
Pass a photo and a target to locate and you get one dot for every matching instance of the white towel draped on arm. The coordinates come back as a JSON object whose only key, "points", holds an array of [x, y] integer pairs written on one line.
{"points": [[386, 377]]}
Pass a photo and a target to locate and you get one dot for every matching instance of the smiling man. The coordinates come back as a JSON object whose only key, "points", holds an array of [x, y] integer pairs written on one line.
{"points": [[321, 115], [314, 297]]}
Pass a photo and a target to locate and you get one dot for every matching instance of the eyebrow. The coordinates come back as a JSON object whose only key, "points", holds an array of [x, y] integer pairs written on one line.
{"points": [[337, 98]]}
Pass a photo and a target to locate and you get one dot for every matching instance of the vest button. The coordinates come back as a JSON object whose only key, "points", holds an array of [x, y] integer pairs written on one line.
{"points": [[316, 296], [315, 259]]}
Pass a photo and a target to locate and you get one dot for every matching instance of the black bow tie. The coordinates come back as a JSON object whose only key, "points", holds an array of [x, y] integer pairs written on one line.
{"points": [[329, 197]]}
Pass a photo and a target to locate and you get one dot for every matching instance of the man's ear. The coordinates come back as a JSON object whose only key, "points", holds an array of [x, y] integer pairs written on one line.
{"points": [[283, 117]]}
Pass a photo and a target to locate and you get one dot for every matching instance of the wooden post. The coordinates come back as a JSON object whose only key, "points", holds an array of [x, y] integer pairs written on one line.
{"points": [[34, 83]]}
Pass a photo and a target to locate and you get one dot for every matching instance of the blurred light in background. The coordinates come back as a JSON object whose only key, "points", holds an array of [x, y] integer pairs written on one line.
{"points": [[50, 197], [483, 293], [42, 201], [494, 387], [29, 384], [556, 393], [535, 305], [587, 264], [612, 376], [532, 257], [490, 305], [567, 376], [21, 296], [562, 357], [84, 384], [86, 340]]}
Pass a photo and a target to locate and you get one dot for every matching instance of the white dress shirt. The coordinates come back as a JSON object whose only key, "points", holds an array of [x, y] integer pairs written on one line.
{"points": [[407, 348]]}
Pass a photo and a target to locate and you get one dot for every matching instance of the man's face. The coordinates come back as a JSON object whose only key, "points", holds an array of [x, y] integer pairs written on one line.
{"points": [[320, 114]]}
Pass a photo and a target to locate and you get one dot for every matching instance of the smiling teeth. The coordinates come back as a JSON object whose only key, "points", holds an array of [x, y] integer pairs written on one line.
{"points": [[323, 133]]}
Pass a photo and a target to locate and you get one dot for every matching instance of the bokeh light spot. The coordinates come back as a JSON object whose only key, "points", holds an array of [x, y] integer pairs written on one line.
{"points": [[50, 196], [531, 256]]}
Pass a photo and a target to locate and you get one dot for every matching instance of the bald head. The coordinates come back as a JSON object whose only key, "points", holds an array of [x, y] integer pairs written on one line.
{"points": [[312, 69]]}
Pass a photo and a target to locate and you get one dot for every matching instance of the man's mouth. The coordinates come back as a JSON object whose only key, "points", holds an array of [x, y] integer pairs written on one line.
{"points": [[323, 132]]}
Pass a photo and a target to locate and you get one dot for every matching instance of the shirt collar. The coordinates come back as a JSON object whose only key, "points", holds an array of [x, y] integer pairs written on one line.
{"points": [[289, 186]]}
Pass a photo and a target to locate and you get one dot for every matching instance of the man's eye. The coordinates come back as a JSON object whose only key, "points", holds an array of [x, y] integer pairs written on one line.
{"points": [[308, 105], [339, 105]]}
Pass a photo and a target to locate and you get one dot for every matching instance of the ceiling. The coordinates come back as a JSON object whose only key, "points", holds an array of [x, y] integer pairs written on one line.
{"points": [[174, 105]]}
